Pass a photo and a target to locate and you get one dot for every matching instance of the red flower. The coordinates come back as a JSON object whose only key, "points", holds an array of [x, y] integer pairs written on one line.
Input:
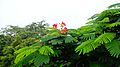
{"points": [[64, 30], [63, 23], [55, 25]]}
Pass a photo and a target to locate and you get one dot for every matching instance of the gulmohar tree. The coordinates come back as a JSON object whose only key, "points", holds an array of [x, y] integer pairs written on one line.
{"points": [[95, 45], [101, 38]]}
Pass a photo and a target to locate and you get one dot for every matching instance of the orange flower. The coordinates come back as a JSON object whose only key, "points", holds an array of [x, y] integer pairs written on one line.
{"points": [[55, 25], [64, 30]]}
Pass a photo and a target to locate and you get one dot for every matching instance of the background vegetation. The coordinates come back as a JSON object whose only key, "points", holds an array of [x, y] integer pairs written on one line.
{"points": [[13, 38]]}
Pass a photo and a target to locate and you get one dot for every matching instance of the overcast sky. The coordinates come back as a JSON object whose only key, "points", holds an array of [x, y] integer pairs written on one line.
{"points": [[74, 12]]}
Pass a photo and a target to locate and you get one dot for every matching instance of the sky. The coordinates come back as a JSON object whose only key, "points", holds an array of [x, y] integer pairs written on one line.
{"points": [[73, 12]]}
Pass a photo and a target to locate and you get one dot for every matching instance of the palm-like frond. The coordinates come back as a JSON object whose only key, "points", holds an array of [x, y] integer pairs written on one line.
{"points": [[105, 38], [37, 54], [87, 29], [46, 38], [56, 41], [88, 36], [24, 52], [92, 44], [69, 39], [113, 24], [46, 50], [107, 13], [114, 48], [85, 47], [39, 60], [73, 32], [36, 58]]}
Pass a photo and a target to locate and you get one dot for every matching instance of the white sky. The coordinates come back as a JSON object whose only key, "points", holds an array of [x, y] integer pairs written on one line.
{"points": [[73, 12]]}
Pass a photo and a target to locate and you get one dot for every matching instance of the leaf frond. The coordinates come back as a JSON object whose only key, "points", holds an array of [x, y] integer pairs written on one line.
{"points": [[46, 50], [114, 48], [85, 47], [105, 38]]}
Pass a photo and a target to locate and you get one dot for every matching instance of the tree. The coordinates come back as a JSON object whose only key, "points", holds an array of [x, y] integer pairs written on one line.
{"points": [[100, 38], [14, 38], [97, 43], [54, 49]]}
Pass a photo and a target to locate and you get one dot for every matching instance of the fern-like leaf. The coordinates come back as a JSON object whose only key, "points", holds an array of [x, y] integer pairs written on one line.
{"points": [[92, 44], [49, 37], [37, 55], [85, 47], [105, 38], [69, 39], [113, 24], [39, 60], [46, 50], [87, 29], [88, 36], [35, 58], [24, 52], [105, 20], [73, 32], [114, 48], [56, 41]]}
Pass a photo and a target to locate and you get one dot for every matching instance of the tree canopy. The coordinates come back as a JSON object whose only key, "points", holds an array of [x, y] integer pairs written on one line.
{"points": [[97, 44], [13, 38]]}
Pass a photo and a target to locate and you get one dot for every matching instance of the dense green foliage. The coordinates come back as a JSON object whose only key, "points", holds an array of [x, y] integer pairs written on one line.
{"points": [[101, 39], [97, 44], [58, 47], [13, 38]]}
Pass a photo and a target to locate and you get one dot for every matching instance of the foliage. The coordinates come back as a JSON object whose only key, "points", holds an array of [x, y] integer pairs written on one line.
{"points": [[97, 43], [114, 48], [14, 38], [57, 45], [30, 54], [102, 33], [93, 45]]}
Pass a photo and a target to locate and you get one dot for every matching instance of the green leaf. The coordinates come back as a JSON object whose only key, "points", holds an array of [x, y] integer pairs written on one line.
{"points": [[85, 47], [105, 20], [69, 39], [87, 29], [105, 38], [35, 58], [73, 32], [88, 36], [57, 53], [49, 37], [40, 59], [27, 51], [46, 50], [113, 24], [56, 41], [21, 50], [36, 44], [92, 44], [114, 48]]}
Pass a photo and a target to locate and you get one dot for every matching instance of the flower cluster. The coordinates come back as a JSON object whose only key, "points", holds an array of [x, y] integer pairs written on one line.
{"points": [[62, 26]]}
